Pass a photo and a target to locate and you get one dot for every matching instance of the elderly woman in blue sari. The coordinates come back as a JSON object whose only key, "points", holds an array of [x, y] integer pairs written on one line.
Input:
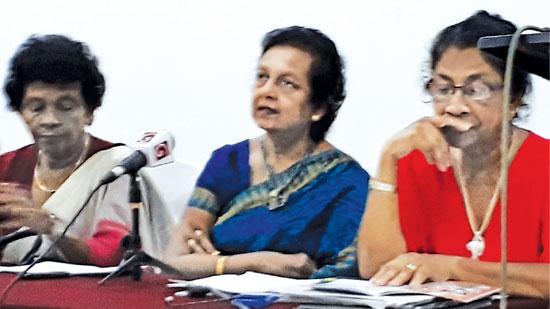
{"points": [[288, 202]]}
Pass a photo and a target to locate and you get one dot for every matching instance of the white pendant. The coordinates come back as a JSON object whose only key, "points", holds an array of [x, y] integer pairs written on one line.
{"points": [[276, 199], [476, 246]]}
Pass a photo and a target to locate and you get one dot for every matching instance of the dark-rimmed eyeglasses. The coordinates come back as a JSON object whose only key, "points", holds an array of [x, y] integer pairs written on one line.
{"points": [[477, 90]]}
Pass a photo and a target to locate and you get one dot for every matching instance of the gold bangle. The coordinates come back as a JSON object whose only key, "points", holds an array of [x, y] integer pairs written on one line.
{"points": [[381, 186], [220, 265]]}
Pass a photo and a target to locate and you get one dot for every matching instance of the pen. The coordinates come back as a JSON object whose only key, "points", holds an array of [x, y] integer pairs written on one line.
{"points": [[241, 301], [254, 301]]}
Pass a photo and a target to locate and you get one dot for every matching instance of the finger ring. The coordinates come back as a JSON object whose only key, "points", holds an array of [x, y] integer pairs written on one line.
{"points": [[411, 266]]}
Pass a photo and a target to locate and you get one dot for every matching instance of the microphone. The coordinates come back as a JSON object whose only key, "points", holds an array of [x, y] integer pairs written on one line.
{"points": [[151, 149], [13, 236]]}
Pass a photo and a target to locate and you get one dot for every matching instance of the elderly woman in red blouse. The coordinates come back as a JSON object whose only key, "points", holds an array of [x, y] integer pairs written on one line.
{"points": [[433, 210]]}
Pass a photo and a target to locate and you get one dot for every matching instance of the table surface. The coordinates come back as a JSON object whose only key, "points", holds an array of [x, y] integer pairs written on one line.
{"points": [[123, 292], [84, 292]]}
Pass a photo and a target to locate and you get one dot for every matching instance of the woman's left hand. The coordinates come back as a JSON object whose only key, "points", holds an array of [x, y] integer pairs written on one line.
{"points": [[416, 268], [17, 209]]}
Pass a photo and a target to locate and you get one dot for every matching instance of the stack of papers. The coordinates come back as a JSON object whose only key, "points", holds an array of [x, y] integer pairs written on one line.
{"points": [[455, 290], [337, 292], [58, 269]]}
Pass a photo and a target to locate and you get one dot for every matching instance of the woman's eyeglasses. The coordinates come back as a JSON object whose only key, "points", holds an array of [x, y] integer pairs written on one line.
{"points": [[477, 90]]}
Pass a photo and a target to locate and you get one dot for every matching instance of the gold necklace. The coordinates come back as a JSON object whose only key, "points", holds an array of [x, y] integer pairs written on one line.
{"points": [[36, 174], [476, 246]]}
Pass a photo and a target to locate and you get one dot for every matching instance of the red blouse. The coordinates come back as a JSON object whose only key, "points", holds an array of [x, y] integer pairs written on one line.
{"points": [[433, 218], [104, 246]]}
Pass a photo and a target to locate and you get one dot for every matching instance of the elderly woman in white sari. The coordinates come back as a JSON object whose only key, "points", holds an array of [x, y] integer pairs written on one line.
{"points": [[55, 85]]}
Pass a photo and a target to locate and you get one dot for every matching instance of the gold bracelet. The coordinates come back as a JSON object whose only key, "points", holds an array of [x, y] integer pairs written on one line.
{"points": [[220, 265], [381, 186]]}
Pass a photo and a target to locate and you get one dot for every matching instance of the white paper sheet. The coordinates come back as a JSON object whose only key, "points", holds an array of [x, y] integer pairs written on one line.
{"points": [[59, 268], [249, 282], [296, 290]]}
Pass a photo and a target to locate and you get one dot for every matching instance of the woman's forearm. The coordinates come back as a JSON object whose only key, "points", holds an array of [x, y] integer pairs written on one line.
{"points": [[193, 266], [75, 250], [380, 238], [198, 265]]}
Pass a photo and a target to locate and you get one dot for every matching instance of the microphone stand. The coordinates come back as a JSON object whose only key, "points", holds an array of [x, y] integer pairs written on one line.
{"points": [[135, 257]]}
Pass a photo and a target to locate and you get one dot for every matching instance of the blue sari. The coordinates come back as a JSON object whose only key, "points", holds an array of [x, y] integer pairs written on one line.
{"points": [[326, 195]]}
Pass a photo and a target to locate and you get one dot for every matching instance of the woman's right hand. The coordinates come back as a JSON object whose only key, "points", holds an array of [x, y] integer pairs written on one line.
{"points": [[425, 135], [17, 209], [297, 265], [187, 240], [192, 234], [198, 241]]}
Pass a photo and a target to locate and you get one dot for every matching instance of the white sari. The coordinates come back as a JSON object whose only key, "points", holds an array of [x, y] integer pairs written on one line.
{"points": [[110, 202]]}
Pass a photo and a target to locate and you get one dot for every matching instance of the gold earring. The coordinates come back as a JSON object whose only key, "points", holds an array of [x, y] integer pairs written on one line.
{"points": [[315, 117]]}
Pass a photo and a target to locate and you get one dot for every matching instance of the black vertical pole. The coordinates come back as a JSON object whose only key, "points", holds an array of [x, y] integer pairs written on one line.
{"points": [[135, 240]]}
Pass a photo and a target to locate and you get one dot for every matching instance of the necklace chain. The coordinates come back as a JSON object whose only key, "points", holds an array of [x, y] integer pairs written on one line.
{"points": [[477, 244], [269, 167], [36, 174], [277, 197], [469, 211]]}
